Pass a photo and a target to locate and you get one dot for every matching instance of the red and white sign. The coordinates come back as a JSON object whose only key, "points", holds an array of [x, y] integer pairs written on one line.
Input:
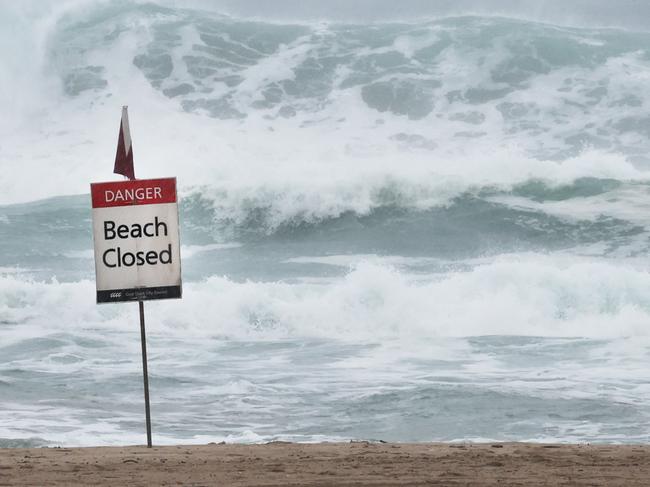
{"points": [[137, 244]]}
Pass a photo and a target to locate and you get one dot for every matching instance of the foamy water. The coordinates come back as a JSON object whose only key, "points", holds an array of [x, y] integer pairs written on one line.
{"points": [[408, 230]]}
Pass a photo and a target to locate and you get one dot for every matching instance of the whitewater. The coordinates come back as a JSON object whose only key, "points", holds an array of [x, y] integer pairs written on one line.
{"points": [[401, 229]]}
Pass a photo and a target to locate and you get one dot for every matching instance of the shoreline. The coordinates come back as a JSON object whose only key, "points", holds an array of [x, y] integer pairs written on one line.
{"points": [[356, 463]]}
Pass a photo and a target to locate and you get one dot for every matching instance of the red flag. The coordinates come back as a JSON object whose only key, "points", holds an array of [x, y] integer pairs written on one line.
{"points": [[124, 155]]}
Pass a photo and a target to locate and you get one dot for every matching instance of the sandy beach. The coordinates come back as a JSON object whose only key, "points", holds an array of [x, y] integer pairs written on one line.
{"points": [[278, 464]]}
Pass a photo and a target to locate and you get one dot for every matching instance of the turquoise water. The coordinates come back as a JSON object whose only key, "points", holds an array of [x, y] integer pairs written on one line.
{"points": [[412, 230]]}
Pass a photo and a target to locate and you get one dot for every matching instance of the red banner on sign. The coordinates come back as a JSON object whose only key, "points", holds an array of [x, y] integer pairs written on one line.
{"points": [[129, 193]]}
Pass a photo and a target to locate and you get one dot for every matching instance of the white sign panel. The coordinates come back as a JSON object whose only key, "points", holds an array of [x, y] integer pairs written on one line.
{"points": [[137, 245]]}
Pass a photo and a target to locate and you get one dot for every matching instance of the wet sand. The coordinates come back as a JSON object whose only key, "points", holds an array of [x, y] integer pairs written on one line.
{"points": [[339, 464]]}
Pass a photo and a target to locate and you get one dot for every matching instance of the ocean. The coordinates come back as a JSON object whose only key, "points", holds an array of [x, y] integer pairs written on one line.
{"points": [[422, 229]]}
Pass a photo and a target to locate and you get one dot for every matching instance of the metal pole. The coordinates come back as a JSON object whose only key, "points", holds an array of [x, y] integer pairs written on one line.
{"points": [[145, 373]]}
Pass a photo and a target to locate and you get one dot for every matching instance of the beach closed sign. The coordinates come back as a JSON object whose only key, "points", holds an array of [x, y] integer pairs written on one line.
{"points": [[136, 235]]}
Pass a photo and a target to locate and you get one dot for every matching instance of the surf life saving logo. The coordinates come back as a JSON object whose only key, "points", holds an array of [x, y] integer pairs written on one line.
{"points": [[137, 244]]}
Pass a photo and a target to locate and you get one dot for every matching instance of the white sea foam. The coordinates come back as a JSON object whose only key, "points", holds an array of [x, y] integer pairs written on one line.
{"points": [[69, 429], [628, 203], [336, 154], [351, 260], [513, 295], [189, 251], [80, 254]]}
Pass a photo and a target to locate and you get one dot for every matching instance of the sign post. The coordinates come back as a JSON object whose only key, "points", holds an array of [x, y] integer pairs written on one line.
{"points": [[145, 373], [137, 248]]}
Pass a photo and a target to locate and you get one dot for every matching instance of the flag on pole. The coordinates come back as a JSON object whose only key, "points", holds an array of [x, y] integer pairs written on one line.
{"points": [[124, 155]]}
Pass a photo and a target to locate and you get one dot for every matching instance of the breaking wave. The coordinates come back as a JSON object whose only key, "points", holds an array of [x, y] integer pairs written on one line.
{"points": [[321, 117], [525, 295]]}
